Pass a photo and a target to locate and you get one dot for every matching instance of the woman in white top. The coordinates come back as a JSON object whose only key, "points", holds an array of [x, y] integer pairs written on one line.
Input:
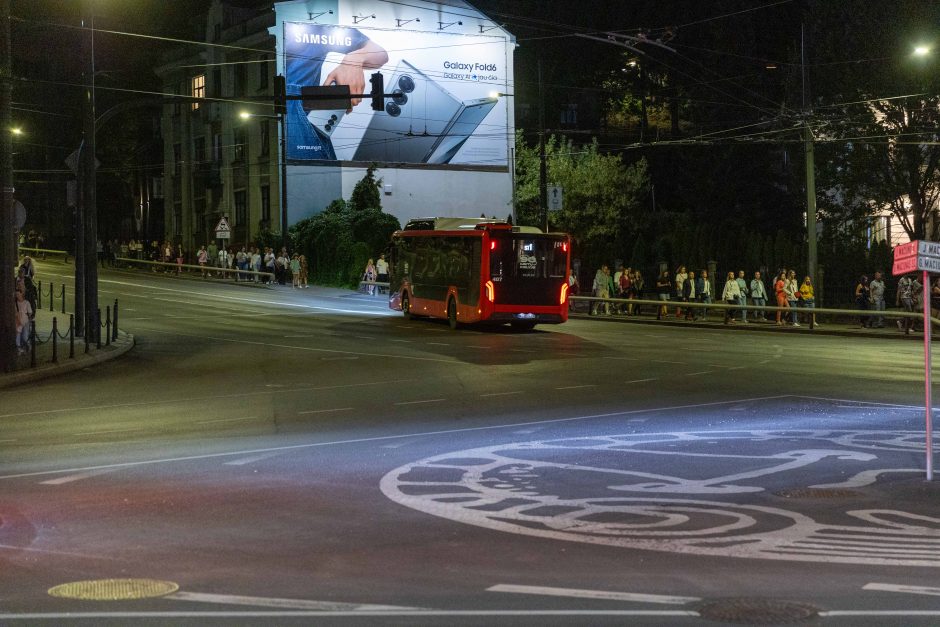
{"points": [[791, 288], [679, 286], [731, 295]]}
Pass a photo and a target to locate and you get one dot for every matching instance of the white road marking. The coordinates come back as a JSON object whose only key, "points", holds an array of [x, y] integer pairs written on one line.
{"points": [[525, 431], [492, 394], [905, 589], [577, 387], [866, 477], [594, 594], [664, 361], [364, 337], [436, 344], [351, 358], [250, 460], [299, 604], [207, 422], [71, 616], [403, 341], [430, 400], [878, 407], [128, 430], [323, 411], [76, 477], [872, 613], [292, 447], [695, 374], [637, 419], [642, 380], [623, 358]]}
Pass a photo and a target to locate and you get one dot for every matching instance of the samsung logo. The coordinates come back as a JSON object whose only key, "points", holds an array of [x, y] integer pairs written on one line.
{"points": [[323, 40]]}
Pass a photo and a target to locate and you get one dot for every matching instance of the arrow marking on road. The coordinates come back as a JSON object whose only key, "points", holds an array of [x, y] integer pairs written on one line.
{"points": [[77, 477]]}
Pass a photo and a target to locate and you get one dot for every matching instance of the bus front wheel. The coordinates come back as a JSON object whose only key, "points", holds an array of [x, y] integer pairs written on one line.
{"points": [[452, 313], [406, 306]]}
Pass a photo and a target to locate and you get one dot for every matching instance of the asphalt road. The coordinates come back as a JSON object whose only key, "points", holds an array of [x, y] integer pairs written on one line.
{"points": [[289, 456]]}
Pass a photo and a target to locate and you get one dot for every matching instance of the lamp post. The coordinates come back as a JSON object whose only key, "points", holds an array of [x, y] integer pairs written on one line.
{"points": [[7, 253], [282, 119]]}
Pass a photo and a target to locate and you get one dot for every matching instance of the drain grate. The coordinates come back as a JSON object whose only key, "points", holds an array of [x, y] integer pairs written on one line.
{"points": [[757, 611], [114, 589], [817, 493]]}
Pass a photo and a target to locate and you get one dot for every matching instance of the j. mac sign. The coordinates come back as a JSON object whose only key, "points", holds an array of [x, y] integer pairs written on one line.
{"points": [[916, 256]]}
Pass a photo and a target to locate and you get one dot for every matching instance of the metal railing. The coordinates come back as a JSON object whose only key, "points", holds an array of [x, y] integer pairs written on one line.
{"points": [[40, 292], [789, 311], [91, 338], [373, 288], [44, 251], [177, 267]]}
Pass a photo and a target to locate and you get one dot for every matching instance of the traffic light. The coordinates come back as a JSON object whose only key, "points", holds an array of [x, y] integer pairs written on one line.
{"points": [[378, 91], [280, 95]]}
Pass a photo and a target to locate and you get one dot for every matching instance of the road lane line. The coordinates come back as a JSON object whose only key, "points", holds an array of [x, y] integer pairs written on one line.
{"points": [[431, 400], [695, 374], [250, 460], [309, 445], [352, 358], [492, 394], [642, 380], [623, 358], [323, 411], [128, 430], [436, 344], [403, 341], [905, 589], [76, 477], [207, 398], [72, 616], [664, 361], [633, 597], [299, 604], [577, 387], [208, 422]]}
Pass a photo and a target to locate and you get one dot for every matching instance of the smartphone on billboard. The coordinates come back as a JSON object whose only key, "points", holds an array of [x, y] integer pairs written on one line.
{"points": [[466, 122]]}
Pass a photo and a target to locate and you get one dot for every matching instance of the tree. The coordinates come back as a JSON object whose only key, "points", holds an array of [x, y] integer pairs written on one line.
{"points": [[880, 118], [365, 194]]}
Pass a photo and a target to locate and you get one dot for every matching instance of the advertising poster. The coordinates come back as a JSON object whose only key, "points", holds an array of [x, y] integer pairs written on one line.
{"points": [[445, 108]]}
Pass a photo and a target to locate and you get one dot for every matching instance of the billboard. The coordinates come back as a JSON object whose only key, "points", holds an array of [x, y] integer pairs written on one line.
{"points": [[444, 111]]}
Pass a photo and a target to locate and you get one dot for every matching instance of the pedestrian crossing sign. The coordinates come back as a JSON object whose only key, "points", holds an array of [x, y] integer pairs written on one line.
{"points": [[222, 229]]}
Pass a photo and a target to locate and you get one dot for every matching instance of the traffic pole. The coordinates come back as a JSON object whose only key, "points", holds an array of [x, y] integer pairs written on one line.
{"points": [[7, 242], [928, 378]]}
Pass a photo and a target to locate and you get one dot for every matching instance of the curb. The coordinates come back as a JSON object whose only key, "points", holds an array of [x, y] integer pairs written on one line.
{"points": [[194, 279], [759, 327], [124, 343]]}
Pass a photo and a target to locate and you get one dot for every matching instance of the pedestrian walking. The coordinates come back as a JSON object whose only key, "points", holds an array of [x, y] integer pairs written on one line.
{"points": [[731, 294], [758, 295], [295, 270], [202, 257], [703, 291], [862, 300], [742, 299], [24, 317], [600, 289], [664, 289], [908, 288], [304, 271], [688, 295], [792, 291], [679, 284], [876, 289], [381, 272], [808, 299], [780, 294]]}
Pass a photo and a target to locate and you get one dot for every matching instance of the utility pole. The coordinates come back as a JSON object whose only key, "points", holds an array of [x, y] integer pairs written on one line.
{"points": [[88, 190], [285, 238], [810, 154], [7, 253], [543, 169]]}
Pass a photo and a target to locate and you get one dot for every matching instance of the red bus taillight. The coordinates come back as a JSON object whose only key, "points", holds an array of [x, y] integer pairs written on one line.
{"points": [[564, 294], [492, 245], [490, 292]]}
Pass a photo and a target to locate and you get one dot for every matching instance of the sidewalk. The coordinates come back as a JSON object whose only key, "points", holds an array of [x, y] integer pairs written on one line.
{"points": [[716, 321], [45, 368]]}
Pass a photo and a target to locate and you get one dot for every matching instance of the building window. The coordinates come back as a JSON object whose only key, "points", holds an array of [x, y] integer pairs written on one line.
{"points": [[216, 82], [177, 108], [265, 148], [569, 115], [217, 148], [177, 159], [199, 90], [216, 32], [263, 74], [178, 219], [265, 206], [241, 144], [199, 152], [241, 207], [239, 79]]}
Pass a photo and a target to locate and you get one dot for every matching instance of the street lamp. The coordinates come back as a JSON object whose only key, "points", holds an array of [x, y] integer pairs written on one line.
{"points": [[282, 118], [921, 51]]}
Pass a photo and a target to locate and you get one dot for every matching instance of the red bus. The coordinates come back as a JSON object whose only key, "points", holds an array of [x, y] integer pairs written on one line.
{"points": [[470, 270]]}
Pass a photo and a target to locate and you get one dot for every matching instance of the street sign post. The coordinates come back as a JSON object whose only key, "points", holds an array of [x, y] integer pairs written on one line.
{"points": [[555, 197], [924, 257], [222, 229]]}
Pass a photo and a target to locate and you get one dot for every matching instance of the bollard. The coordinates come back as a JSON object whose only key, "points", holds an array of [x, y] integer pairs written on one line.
{"points": [[107, 327], [97, 329], [55, 340], [32, 342], [63, 298], [51, 297], [114, 328], [85, 335], [39, 296], [71, 336]]}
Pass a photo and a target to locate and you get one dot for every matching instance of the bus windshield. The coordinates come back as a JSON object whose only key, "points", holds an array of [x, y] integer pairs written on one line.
{"points": [[527, 256]]}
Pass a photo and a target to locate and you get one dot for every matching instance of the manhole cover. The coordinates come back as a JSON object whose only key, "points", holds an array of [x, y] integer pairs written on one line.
{"points": [[817, 493], [757, 611], [114, 589]]}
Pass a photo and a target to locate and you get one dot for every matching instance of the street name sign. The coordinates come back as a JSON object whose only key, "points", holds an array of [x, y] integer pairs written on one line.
{"points": [[916, 255]]}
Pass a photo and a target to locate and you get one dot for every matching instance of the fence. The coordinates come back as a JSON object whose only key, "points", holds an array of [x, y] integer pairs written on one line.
{"points": [[40, 293], [42, 252], [92, 337], [812, 312], [373, 288], [177, 267]]}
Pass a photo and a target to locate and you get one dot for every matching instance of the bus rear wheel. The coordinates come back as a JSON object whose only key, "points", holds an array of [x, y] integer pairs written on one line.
{"points": [[406, 306], [452, 313]]}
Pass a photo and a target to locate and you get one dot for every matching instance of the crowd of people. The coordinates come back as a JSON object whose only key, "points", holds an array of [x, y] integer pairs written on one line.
{"points": [[25, 303], [793, 299]]}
